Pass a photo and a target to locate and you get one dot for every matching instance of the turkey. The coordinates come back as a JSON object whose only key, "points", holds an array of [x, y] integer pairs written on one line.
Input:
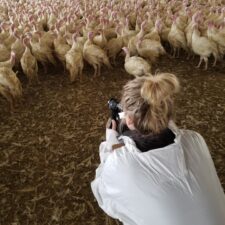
{"points": [[203, 47], [61, 47], [150, 49], [10, 86], [114, 46], [29, 63], [5, 52], [41, 51], [94, 55], [10, 63], [74, 60], [218, 37], [177, 38], [135, 65], [18, 48]]}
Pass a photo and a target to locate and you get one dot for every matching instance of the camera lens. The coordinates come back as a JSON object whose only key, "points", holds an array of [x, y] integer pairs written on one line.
{"points": [[112, 104]]}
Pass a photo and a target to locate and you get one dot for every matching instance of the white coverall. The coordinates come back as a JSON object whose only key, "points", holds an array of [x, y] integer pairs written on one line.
{"points": [[173, 185]]}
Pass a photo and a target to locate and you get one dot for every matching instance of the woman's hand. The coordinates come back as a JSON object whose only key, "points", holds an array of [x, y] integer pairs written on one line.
{"points": [[109, 122]]}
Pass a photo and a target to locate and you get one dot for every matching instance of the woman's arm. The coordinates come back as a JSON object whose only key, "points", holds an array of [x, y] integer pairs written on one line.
{"points": [[106, 147], [97, 185]]}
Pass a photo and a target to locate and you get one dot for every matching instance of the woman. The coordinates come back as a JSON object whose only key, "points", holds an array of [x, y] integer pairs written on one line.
{"points": [[155, 173]]}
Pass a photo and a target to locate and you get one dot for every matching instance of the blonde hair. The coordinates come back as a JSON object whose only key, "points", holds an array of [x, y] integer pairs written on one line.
{"points": [[149, 100]]}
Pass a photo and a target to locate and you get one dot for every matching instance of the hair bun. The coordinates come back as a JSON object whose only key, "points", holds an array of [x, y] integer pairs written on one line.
{"points": [[157, 88]]}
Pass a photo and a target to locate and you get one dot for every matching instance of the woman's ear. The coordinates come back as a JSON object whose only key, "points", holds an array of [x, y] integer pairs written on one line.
{"points": [[130, 122]]}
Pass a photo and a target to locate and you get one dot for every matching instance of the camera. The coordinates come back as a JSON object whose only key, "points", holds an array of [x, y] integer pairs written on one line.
{"points": [[116, 114], [115, 108]]}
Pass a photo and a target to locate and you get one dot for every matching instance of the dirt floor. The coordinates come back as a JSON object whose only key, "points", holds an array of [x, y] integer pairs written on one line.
{"points": [[49, 145]]}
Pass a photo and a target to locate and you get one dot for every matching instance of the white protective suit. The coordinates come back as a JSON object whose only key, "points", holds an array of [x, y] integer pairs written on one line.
{"points": [[173, 185]]}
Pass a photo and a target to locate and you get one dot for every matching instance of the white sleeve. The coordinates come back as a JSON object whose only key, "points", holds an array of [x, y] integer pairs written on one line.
{"points": [[212, 167], [108, 200], [220, 195], [104, 201], [106, 147], [108, 204], [105, 150], [97, 185]]}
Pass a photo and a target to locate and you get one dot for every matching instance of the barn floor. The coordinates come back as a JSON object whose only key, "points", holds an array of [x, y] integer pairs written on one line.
{"points": [[49, 145]]}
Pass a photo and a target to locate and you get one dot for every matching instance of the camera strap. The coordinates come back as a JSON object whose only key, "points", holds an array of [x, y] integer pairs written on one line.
{"points": [[116, 146]]}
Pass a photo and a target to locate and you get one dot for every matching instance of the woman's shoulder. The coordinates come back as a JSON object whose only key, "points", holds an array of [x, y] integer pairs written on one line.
{"points": [[193, 141], [185, 133], [191, 134]]}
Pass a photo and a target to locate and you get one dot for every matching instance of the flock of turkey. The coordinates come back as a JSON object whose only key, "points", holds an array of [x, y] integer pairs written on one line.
{"points": [[37, 33]]}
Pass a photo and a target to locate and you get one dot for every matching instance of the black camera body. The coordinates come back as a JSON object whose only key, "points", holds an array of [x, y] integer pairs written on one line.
{"points": [[115, 110]]}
